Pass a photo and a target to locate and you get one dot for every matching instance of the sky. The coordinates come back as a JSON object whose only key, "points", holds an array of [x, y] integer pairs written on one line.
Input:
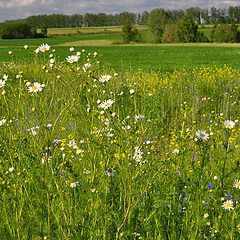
{"points": [[18, 9]]}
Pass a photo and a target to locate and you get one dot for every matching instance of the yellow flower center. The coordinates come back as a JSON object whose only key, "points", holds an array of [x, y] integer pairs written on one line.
{"points": [[71, 60], [228, 205], [238, 184], [34, 88], [107, 104], [105, 78], [228, 124], [44, 49], [0, 84], [202, 135]]}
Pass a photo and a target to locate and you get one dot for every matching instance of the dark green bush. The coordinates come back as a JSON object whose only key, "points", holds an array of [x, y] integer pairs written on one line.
{"points": [[18, 30], [225, 34]]}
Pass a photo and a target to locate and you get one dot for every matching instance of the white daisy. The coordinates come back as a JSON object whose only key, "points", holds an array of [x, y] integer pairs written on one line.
{"points": [[71, 49], [86, 66], [37, 87], [2, 121], [44, 47], [72, 59], [202, 135], [73, 184], [5, 77], [104, 78], [228, 205], [229, 124], [2, 83], [106, 104], [237, 184], [25, 46]]}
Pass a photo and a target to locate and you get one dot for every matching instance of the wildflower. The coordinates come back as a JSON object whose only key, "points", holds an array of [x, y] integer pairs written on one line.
{"points": [[11, 169], [71, 49], [106, 104], [2, 121], [104, 78], [86, 66], [132, 91], [25, 46], [237, 184], [215, 177], [10, 52], [72, 144], [78, 54], [110, 172], [86, 171], [72, 59], [175, 151], [202, 135], [73, 184], [5, 77], [206, 215], [37, 87], [52, 60], [228, 205], [2, 83], [137, 154], [36, 50], [229, 124], [44, 47]]}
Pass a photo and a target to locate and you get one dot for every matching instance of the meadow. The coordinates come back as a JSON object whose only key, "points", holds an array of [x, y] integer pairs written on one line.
{"points": [[91, 152]]}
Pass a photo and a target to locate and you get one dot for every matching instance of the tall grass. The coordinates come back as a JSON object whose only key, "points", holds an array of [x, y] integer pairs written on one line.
{"points": [[99, 154]]}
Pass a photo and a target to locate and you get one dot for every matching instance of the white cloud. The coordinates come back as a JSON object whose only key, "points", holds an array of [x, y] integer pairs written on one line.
{"points": [[20, 8]]}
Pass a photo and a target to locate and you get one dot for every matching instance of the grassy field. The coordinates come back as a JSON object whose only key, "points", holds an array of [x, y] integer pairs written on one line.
{"points": [[90, 153], [153, 57]]}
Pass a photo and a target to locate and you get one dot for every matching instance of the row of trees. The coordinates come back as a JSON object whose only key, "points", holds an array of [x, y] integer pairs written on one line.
{"points": [[200, 16], [165, 29]]}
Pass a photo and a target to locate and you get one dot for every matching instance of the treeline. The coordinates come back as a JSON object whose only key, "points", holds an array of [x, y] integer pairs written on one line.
{"points": [[200, 16]]}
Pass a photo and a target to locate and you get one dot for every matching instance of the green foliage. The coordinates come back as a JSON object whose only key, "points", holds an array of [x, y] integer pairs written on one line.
{"points": [[44, 30], [130, 33], [157, 21], [186, 30], [15, 30], [226, 34], [169, 33]]}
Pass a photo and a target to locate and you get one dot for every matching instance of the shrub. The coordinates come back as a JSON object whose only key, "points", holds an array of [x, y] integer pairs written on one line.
{"points": [[169, 33], [226, 34], [16, 30], [186, 29], [157, 21], [130, 33]]}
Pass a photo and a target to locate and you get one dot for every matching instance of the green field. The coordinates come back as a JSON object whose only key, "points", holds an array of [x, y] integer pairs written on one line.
{"points": [[163, 58], [107, 42], [138, 141]]}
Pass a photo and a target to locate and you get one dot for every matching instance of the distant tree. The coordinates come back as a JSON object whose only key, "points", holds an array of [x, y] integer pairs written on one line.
{"points": [[144, 18], [16, 30], [44, 29], [195, 13], [186, 29], [226, 34], [213, 15], [157, 21], [205, 16], [169, 33], [129, 32]]}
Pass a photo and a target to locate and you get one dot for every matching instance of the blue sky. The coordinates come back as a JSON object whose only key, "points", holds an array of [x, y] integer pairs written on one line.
{"points": [[15, 9]]}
